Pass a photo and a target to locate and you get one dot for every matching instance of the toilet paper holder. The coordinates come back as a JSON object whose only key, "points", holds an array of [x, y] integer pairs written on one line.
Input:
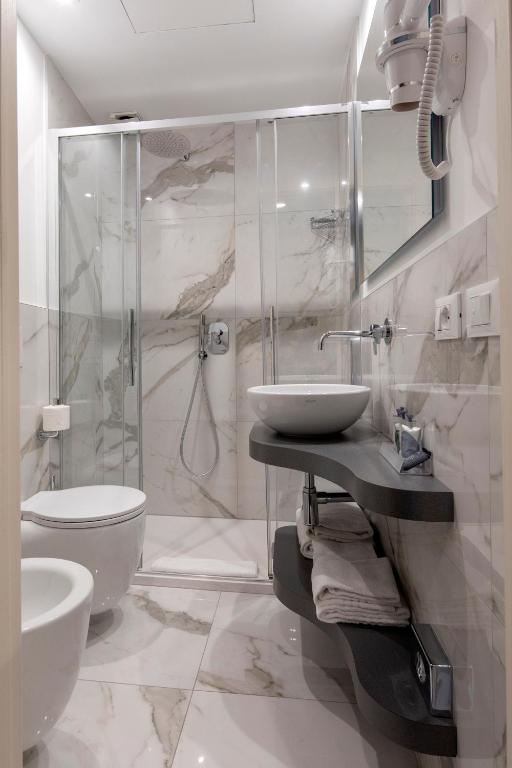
{"points": [[47, 435]]}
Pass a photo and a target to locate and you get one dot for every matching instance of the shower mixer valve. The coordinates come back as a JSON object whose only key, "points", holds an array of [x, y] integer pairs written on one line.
{"points": [[218, 338]]}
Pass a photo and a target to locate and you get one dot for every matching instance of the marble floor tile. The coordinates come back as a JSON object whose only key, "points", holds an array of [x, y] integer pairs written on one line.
{"points": [[281, 733], [114, 726], [206, 537], [259, 647], [156, 636]]}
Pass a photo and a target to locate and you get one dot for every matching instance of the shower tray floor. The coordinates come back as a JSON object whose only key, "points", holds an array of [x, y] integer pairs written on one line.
{"points": [[205, 537]]}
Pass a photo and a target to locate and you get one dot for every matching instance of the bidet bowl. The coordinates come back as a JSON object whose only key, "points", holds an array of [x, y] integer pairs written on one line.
{"points": [[56, 597], [308, 409]]}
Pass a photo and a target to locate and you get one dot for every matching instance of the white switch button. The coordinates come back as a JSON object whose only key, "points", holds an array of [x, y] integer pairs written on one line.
{"points": [[483, 310], [480, 309]]}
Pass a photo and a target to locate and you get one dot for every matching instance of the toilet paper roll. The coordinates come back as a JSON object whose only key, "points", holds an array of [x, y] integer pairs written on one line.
{"points": [[56, 418]]}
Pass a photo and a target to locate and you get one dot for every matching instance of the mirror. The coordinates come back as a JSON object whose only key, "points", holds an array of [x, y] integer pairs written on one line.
{"points": [[398, 201]]}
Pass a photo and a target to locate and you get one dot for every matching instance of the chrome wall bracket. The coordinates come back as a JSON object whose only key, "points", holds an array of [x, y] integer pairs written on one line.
{"points": [[380, 333], [44, 435], [433, 671], [311, 498]]}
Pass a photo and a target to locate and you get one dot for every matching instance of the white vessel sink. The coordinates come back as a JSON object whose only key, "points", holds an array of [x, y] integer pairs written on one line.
{"points": [[308, 409]]}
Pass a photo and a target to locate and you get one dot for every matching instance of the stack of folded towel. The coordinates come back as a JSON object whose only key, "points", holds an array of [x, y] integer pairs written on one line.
{"points": [[354, 591], [350, 583], [343, 522]]}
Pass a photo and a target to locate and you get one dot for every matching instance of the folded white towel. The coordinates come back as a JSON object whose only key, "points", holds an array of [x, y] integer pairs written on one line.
{"points": [[344, 522], [335, 611], [361, 592], [201, 566]]}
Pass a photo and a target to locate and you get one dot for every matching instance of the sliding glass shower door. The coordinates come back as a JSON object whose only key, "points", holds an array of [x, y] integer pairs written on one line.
{"points": [[308, 262], [98, 310], [234, 222]]}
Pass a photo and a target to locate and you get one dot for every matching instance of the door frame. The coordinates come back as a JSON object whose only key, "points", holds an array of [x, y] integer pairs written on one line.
{"points": [[10, 603], [504, 137]]}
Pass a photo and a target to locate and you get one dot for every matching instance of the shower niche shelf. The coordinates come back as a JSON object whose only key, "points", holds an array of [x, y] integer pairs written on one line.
{"points": [[380, 660], [352, 460]]}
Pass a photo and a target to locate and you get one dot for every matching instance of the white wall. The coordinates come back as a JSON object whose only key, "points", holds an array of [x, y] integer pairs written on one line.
{"points": [[44, 101], [472, 182], [31, 152]]}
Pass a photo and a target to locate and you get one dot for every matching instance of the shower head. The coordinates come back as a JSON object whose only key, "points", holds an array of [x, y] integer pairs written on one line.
{"points": [[168, 144]]}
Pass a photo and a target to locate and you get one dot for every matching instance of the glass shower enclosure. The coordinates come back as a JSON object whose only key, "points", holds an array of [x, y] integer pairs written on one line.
{"points": [[97, 321], [247, 220]]}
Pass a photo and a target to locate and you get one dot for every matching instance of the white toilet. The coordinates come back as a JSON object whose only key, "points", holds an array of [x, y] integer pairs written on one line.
{"points": [[98, 526]]}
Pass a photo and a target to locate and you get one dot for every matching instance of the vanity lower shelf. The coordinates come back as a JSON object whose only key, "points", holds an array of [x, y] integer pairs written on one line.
{"points": [[352, 460], [380, 660]]}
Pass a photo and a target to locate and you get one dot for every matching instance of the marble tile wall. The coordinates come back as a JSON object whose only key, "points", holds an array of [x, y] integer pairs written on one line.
{"points": [[452, 574], [192, 248], [34, 376], [200, 253]]}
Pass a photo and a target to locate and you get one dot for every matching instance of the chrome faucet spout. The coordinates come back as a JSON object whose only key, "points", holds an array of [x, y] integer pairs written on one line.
{"points": [[342, 334], [377, 332]]}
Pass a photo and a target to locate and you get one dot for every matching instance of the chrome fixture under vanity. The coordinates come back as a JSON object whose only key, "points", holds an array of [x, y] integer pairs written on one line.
{"points": [[376, 332], [311, 498]]}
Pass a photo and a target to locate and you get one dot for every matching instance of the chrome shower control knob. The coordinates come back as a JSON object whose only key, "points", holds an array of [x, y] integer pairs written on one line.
{"points": [[218, 338]]}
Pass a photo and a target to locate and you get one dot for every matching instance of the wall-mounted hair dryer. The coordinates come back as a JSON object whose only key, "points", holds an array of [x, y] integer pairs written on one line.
{"points": [[424, 69]]}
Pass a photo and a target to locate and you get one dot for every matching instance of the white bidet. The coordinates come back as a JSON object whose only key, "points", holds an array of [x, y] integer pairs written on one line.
{"points": [[56, 598]]}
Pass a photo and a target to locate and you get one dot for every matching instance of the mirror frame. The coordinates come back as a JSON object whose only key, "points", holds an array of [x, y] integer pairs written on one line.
{"points": [[438, 187]]}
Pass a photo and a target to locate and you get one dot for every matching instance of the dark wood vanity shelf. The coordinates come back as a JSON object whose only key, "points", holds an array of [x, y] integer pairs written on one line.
{"points": [[380, 660], [352, 460]]}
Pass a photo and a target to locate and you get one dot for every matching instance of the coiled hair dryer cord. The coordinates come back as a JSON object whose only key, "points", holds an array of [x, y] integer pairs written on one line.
{"points": [[423, 135]]}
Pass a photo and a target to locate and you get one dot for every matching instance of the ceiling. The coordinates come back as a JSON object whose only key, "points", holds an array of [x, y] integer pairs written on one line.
{"points": [[174, 58]]}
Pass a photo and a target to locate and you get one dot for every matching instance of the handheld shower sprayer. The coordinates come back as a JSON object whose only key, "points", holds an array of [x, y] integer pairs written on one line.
{"points": [[424, 69], [199, 377]]}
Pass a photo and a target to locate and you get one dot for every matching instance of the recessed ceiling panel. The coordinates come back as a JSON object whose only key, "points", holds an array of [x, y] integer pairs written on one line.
{"points": [[167, 15]]}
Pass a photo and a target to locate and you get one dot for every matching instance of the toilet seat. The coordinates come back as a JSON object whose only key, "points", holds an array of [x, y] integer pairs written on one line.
{"points": [[91, 506]]}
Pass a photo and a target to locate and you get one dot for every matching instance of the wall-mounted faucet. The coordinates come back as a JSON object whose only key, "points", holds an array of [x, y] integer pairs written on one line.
{"points": [[377, 333]]}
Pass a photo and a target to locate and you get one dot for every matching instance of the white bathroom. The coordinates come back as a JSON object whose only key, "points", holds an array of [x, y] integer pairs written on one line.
{"points": [[254, 284]]}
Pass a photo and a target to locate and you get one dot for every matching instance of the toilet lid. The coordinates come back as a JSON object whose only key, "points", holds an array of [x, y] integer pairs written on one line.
{"points": [[88, 505]]}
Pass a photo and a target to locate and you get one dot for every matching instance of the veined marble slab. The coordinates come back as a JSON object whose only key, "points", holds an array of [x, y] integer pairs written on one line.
{"points": [[281, 733], [106, 725], [156, 636]]}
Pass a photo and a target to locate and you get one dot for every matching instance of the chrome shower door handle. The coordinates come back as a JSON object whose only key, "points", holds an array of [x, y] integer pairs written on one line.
{"points": [[131, 347], [273, 351]]}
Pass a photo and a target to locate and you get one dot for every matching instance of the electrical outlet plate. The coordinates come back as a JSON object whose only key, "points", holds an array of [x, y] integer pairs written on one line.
{"points": [[483, 310], [448, 317]]}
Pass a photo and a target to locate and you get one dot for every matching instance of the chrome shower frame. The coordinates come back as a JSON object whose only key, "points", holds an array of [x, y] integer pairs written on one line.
{"points": [[353, 111]]}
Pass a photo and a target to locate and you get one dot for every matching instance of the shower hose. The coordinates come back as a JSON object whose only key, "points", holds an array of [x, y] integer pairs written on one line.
{"points": [[199, 378]]}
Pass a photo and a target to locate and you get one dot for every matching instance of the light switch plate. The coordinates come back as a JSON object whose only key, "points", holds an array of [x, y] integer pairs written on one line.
{"points": [[483, 310], [448, 317]]}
